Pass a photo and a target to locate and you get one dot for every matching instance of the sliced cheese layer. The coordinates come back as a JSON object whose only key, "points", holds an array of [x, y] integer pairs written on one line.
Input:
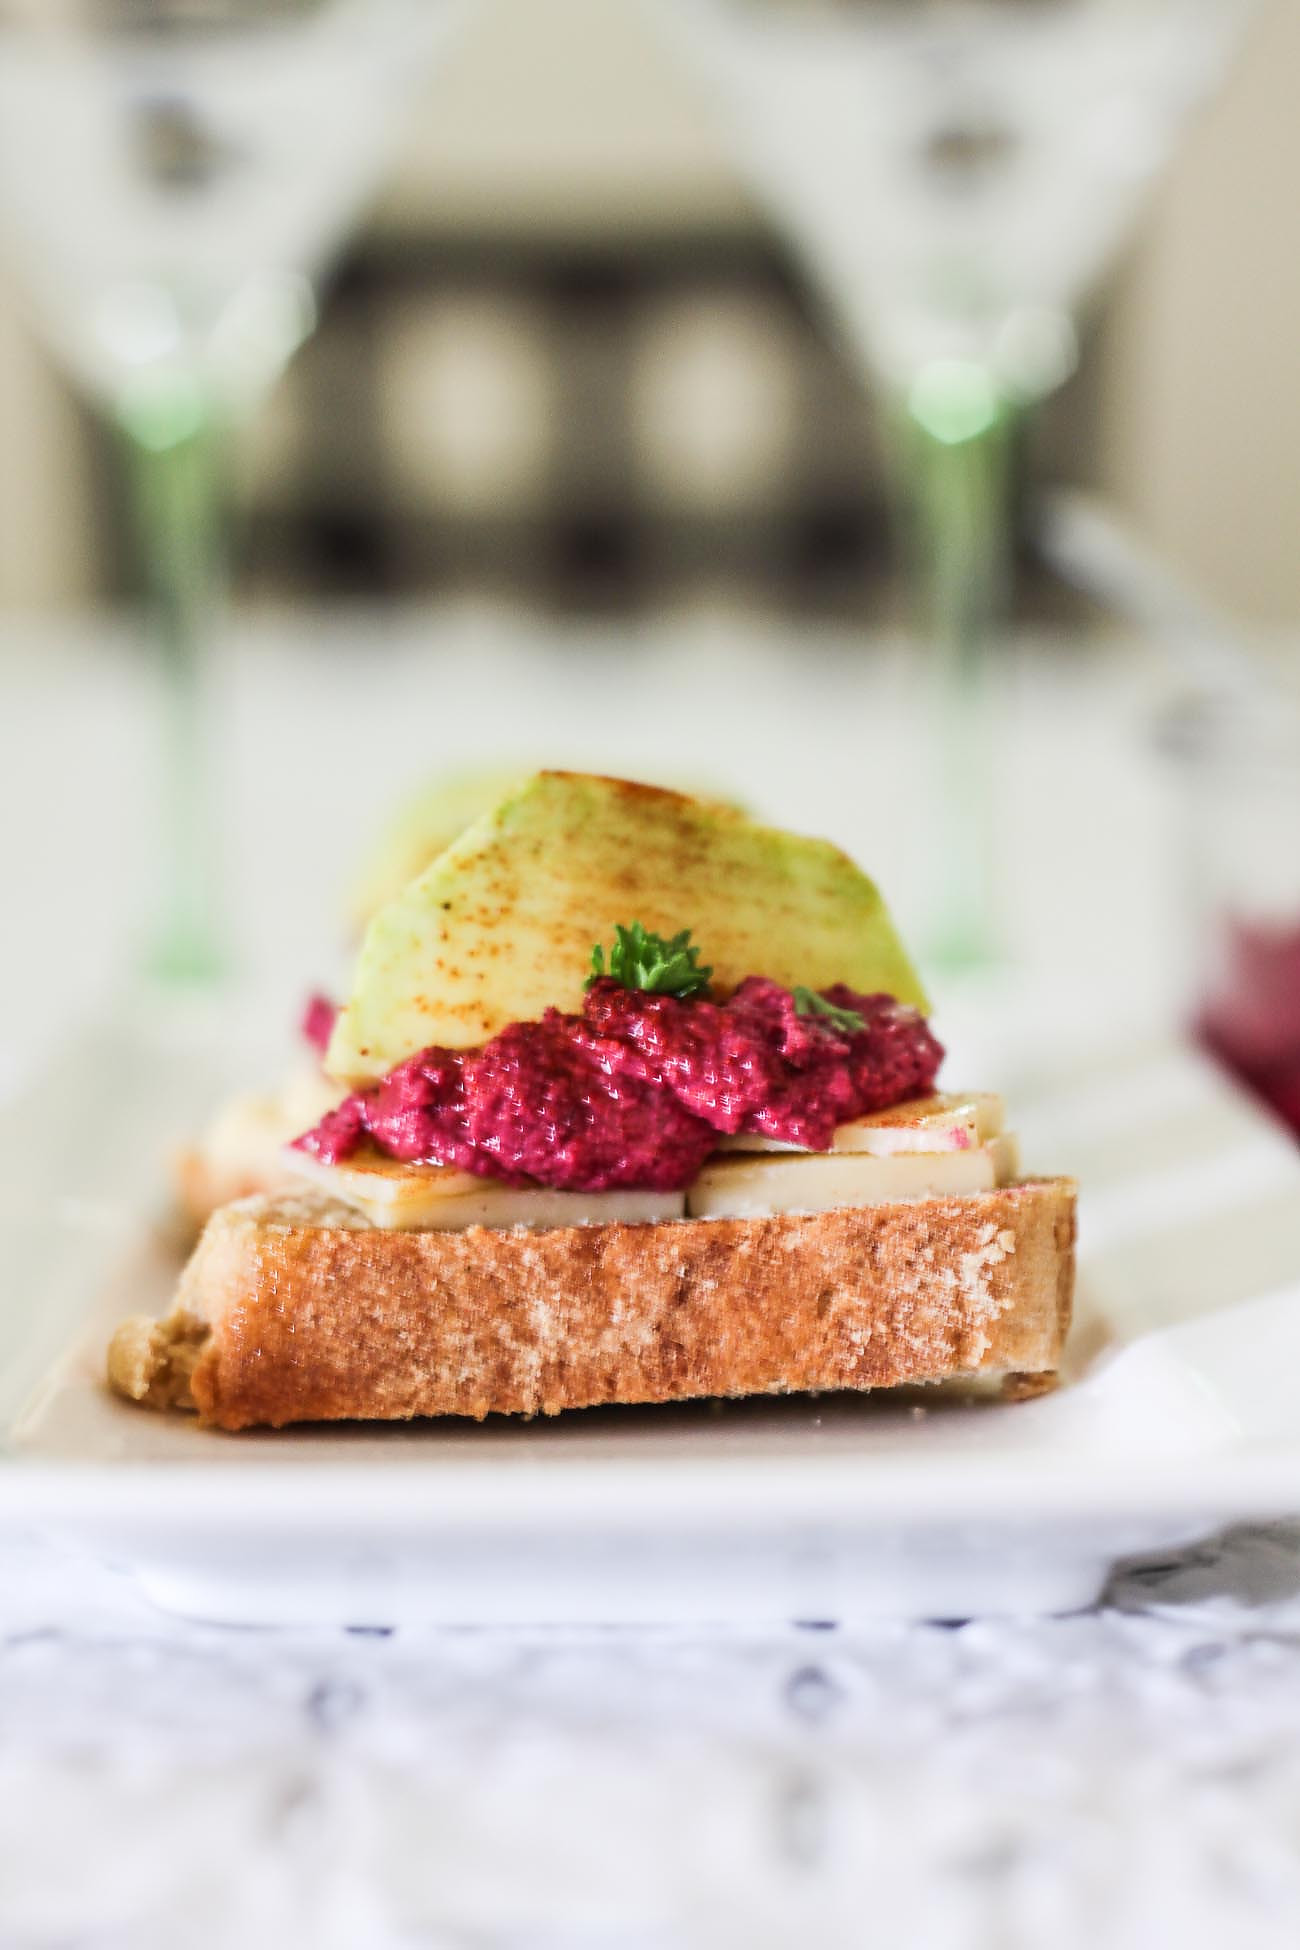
{"points": [[939, 1123], [752, 1187], [436, 1198]]}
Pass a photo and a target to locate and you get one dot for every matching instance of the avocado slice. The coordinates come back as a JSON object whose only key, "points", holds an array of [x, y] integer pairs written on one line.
{"points": [[502, 924], [422, 827]]}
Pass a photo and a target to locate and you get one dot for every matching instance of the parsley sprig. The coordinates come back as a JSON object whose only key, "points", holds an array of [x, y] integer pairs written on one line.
{"points": [[641, 960], [807, 1002]]}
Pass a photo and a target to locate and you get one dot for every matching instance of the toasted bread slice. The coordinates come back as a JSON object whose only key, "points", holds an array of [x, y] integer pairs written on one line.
{"points": [[296, 1309]]}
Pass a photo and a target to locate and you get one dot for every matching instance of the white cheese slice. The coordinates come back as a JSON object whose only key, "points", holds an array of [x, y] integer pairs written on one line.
{"points": [[940, 1123], [437, 1198], [754, 1187]]}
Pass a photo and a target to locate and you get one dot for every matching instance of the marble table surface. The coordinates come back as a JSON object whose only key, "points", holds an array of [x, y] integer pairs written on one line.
{"points": [[1127, 1777]]}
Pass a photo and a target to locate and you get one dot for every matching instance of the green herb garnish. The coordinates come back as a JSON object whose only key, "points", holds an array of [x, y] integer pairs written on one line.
{"points": [[807, 1002], [640, 960]]}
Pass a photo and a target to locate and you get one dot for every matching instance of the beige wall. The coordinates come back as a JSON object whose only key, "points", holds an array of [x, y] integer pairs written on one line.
{"points": [[569, 115], [47, 535], [1199, 432]]}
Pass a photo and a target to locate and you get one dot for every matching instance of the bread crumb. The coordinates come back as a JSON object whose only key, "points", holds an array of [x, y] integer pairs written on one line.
{"points": [[152, 1361]]}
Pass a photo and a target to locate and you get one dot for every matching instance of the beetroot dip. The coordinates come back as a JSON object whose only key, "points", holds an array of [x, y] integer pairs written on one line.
{"points": [[636, 1090], [316, 1024]]}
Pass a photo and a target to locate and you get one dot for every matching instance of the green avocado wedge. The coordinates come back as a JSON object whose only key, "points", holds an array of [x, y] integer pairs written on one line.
{"points": [[501, 926], [421, 828]]}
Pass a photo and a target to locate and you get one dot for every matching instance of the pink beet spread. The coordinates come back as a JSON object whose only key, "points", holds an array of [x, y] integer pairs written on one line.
{"points": [[316, 1024], [636, 1090]]}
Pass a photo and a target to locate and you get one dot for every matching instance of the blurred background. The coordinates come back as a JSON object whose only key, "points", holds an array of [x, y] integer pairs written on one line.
{"points": [[681, 386], [570, 358]]}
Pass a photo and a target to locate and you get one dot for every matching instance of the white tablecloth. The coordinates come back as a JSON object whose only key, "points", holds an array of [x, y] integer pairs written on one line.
{"points": [[1127, 1778]]}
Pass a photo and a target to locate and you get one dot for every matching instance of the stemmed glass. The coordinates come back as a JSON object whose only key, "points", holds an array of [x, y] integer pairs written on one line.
{"points": [[174, 176], [955, 174]]}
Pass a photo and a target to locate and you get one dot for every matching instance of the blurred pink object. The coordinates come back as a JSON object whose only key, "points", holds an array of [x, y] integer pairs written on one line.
{"points": [[1241, 759], [1251, 1018], [316, 1024]]}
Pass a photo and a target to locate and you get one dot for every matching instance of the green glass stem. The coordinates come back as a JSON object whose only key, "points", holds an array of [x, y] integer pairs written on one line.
{"points": [[957, 483], [178, 495]]}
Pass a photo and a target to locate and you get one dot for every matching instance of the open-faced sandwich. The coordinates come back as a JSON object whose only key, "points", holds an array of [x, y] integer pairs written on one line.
{"points": [[579, 1163]]}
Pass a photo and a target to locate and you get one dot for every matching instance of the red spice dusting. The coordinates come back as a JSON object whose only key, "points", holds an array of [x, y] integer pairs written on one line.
{"points": [[635, 1090]]}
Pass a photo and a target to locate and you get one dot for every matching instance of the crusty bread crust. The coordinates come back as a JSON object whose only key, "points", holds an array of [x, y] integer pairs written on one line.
{"points": [[314, 1316]]}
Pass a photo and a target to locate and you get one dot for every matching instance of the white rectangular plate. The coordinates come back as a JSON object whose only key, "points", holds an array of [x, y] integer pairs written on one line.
{"points": [[1179, 1410]]}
